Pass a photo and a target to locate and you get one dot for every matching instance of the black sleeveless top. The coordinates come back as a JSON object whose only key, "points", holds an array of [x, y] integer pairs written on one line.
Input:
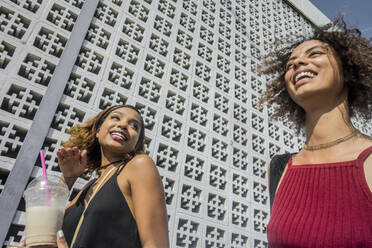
{"points": [[108, 221]]}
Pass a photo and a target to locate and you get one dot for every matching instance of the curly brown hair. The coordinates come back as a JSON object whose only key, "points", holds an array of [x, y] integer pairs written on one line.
{"points": [[83, 136], [355, 55]]}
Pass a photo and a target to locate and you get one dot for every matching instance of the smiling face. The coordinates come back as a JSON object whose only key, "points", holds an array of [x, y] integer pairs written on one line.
{"points": [[313, 73], [119, 133]]}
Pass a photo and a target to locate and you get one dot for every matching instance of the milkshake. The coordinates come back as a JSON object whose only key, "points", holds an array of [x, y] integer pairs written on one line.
{"points": [[42, 224], [45, 206]]}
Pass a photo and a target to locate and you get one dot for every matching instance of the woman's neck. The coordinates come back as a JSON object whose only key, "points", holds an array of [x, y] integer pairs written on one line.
{"points": [[108, 157], [327, 124], [107, 162], [106, 165]]}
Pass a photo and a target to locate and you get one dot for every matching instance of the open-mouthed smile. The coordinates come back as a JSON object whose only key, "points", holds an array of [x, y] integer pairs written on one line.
{"points": [[303, 76], [119, 135]]}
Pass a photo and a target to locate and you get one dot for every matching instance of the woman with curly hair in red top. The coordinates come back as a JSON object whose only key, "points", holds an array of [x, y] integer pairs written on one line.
{"points": [[323, 193]]}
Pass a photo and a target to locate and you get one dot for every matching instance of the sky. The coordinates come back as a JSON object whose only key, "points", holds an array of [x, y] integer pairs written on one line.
{"points": [[358, 13]]}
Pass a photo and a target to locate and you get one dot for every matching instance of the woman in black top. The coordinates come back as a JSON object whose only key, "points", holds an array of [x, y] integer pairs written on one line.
{"points": [[125, 206]]}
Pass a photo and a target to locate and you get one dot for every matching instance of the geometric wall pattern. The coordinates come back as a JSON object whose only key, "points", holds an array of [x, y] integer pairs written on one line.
{"points": [[188, 66]]}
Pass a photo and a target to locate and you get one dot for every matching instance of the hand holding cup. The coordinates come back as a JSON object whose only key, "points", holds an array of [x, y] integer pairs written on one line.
{"points": [[61, 242]]}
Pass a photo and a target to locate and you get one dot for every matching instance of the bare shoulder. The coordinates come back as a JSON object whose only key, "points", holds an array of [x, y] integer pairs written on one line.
{"points": [[356, 147], [141, 165], [368, 144], [141, 161]]}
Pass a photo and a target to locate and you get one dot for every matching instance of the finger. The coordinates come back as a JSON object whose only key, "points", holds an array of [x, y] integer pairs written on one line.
{"points": [[63, 152], [84, 157], [61, 241], [69, 152], [59, 154], [72, 152], [75, 152]]}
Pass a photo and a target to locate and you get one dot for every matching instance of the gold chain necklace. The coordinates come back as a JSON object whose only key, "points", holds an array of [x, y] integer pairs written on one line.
{"points": [[332, 143]]}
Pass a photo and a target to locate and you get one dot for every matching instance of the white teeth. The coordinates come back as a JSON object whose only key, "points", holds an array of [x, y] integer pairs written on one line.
{"points": [[119, 135], [304, 74]]}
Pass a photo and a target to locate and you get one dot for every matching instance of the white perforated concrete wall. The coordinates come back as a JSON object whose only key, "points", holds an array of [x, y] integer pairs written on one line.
{"points": [[187, 65]]}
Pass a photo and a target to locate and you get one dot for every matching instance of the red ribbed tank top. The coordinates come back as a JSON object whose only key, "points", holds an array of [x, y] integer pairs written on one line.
{"points": [[323, 205]]}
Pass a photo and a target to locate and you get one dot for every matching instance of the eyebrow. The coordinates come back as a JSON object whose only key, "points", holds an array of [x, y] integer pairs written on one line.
{"points": [[307, 51]]}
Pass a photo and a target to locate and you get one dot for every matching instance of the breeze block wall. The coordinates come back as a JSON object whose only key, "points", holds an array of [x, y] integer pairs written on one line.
{"points": [[187, 65]]}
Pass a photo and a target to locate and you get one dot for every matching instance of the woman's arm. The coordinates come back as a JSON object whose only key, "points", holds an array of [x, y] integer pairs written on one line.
{"points": [[148, 202]]}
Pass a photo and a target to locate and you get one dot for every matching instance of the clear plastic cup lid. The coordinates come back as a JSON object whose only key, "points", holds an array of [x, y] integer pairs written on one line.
{"points": [[54, 183]]}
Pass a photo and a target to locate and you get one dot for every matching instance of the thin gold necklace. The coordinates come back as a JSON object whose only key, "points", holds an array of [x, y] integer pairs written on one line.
{"points": [[332, 143]]}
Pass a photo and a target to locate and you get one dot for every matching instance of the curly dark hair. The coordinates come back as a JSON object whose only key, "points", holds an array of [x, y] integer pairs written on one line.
{"points": [[355, 55], [83, 136]]}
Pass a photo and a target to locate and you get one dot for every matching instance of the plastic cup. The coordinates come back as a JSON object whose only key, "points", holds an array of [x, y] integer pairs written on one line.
{"points": [[44, 210]]}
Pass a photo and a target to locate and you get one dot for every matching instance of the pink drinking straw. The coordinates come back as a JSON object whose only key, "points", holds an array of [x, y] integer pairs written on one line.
{"points": [[42, 159]]}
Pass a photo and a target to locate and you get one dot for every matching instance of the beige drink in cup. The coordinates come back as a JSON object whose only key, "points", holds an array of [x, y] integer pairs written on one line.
{"points": [[45, 204]]}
